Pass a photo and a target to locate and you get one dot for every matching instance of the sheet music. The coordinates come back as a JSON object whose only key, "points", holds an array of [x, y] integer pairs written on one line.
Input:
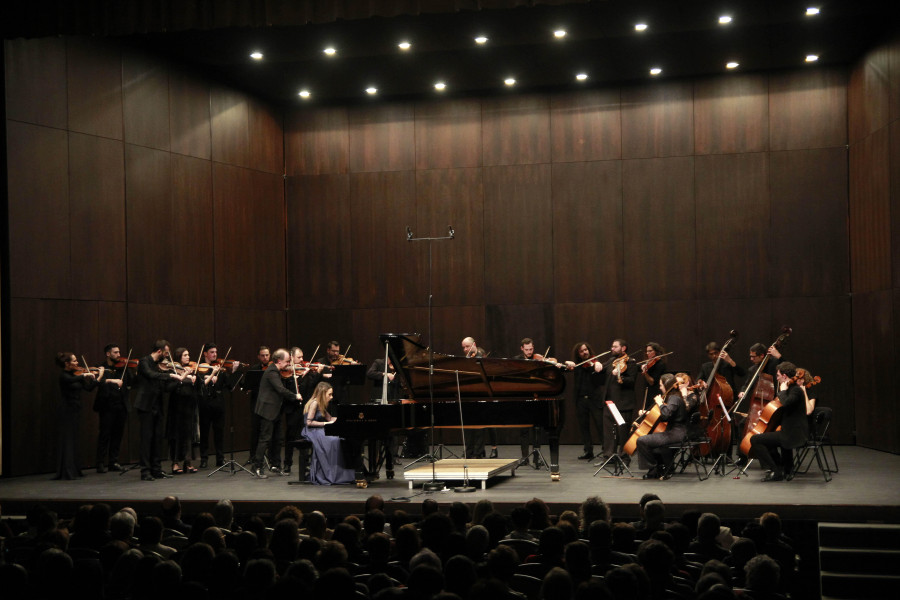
{"points": [[615, 412]]}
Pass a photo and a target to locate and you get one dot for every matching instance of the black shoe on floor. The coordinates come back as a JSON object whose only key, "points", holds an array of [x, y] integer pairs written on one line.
{"points": [[538, 463], [494, 453], [147, 477], [161, 475], [774, 476], [116, 467], [286, 470], [586, 456], [260, 473], [651, 474], [101, 468], [203, 463]]}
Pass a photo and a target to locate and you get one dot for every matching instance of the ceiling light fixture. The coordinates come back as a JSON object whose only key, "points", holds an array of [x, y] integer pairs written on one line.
{"points": [[510, 81], [330, 51], [655, 71], [304, 94], [440, 86], [732, 65], [256, 55], [481, 39], [640, 27], [581, 76], [812, 10], [559, 33], [724, 20], [371, 90], [404, 45], [812, 57]]}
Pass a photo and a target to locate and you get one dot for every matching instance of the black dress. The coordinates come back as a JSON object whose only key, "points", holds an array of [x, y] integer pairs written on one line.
{"points": [[69, 416]]}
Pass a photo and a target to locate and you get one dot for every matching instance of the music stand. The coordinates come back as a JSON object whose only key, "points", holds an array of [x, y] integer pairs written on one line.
{"points": [[723, 461], [232, 465], [433, 485], [618, 465]]}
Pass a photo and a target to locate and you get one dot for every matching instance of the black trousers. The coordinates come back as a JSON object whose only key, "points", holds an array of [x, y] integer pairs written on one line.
{"points": [[653, 449], [109, 439], [212, 416], [269, 430], [151, 424], [765, 446], [588, 410]]}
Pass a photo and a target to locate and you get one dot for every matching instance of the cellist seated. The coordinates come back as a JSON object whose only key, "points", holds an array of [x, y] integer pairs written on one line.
{"points": [[675, 405]]}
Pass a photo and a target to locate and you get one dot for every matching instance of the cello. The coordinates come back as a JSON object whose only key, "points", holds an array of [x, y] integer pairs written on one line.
{"points": [[718, 425], [764, 392], [770, 417]]}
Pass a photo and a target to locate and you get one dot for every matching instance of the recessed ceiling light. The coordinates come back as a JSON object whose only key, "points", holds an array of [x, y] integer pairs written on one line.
{"points": [[404, 45], [481, 39], [330, 51], [812, 10], [581, 76], [440, 86], [510, 81], [724, 20], [559, 33], [256, 55], [371, 90], [655, 71], [304, 94], [640, 27], [732, 65], [812, 57]]}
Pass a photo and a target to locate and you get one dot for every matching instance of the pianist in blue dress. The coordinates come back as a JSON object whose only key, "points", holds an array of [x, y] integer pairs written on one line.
{"points": [[327, 464]]}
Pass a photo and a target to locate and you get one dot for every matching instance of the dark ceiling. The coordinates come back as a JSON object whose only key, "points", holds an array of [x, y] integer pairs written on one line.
{"points": [[683, 38]]}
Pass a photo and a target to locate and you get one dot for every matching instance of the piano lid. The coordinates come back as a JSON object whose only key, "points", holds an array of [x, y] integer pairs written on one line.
{"points": [[478, 377]]}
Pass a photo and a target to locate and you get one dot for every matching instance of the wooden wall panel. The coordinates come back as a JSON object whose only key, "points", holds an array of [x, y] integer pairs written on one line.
{"points": [[319, 258], [808, 243], [873, 356], [36, 81], [145, 87], [673, 325], [587, 231], [183, 326], [870, 235], [248, 223], [229, 126], [382, 138], [732, 224], [518, 259], [189, 122], [149, 215], [309, 328], [597, 323], [246, 329], [894, 78], [586, 126], [97, 217], [895, 201], [808, 110], [368, 324], [317, 142], [39, 258], [448, 134], [868, 103], [452, 324], [516, 130], [446, 197], [191, 241], [266, 138], [658, 120], [659, 263], [382, 206], [731, 114], [94, 82], [508, 324]]}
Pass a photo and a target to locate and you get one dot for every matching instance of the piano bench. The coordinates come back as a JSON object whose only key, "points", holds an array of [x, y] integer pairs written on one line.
{"points": [[304, 446]]}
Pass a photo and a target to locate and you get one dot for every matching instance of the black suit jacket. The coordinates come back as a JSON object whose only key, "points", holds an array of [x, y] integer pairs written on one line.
{"points": [[150, 385], [271, 394], [794, 424]]}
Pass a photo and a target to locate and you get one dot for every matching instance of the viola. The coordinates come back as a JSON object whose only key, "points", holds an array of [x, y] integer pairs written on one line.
{"points": [[229, 363], [620, 364]]}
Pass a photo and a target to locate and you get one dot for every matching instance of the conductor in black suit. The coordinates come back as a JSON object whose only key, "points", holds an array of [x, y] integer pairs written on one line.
{"points": [[268, 405], [148, 402]]}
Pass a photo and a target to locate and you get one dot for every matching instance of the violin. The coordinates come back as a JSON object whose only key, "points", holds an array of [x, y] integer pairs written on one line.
{"points": [[125, 363], [81, 371], [620, 365], [229, 363]]}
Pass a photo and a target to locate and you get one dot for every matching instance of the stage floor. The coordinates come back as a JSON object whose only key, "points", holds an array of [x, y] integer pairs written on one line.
{"points": [[867, 488]]}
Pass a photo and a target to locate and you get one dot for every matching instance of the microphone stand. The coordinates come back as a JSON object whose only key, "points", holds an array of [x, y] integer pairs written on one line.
{"points": [[433, 485]]}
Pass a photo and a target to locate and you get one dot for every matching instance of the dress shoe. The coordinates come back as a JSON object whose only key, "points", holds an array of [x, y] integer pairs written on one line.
{"points": [[220, 462], [651, 474], [666, 472], [203, 463], [494, 453], [774, 476], [260, 473], [101, 468], [286, 470], [586, 456], [147, 477], [116, 468], [162, 475], [276, 471]]}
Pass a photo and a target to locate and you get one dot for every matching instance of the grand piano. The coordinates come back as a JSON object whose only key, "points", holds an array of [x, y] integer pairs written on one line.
{"points": [[493, 392]]}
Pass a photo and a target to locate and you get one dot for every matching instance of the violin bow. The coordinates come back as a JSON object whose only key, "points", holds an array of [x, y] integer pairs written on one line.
{"points": [[125, 368], [584, 362]]}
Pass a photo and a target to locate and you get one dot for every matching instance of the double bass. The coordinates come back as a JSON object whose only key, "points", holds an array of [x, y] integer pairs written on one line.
{"points": [[718, 425], [764, 392]]}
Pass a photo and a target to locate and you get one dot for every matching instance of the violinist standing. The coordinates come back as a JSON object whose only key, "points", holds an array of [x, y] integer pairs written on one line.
{"points": [[71, 385], [475, 447], [533, 435], [272, 393], [303, 380], [652, 369], [794, 427], [653, 449], [184, 398], [212, 405], [335, 358], [151, 385], [111, 407], [263, 356], [620, 375], [588, 392]]}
